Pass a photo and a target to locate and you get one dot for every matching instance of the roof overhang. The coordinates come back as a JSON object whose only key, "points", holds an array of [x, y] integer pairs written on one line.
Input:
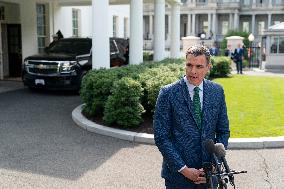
{"points": [[277, 29], [87, 2], [111, 2]]}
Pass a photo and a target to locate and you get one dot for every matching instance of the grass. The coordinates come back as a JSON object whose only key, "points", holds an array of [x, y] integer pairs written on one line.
{"points": [[255, 105]]}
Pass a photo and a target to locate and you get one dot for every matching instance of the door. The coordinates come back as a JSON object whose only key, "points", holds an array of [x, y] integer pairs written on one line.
{"points": [[14, 49]]}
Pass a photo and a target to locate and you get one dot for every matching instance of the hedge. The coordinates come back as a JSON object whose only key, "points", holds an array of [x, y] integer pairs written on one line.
{"points": [[122, 95]]}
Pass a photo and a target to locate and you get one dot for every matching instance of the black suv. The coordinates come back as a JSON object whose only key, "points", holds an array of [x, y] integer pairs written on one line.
{"points": [[65, 62]]}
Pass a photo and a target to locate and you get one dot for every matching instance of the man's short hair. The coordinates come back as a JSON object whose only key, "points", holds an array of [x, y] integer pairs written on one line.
{"points": [[197, 50]]}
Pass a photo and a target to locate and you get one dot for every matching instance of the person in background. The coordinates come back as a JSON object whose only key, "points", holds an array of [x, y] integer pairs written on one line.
{"points": [[214, 51], [59, 34], [188, 112], [238, 58], [55, 37], [229, 52]]}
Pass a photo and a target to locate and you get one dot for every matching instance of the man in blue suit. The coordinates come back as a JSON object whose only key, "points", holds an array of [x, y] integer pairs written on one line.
{"points": [[238, 58], [187, 113]]}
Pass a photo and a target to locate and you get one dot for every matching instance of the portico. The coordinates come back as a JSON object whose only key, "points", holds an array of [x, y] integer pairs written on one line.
{"points": [[27, 20]]}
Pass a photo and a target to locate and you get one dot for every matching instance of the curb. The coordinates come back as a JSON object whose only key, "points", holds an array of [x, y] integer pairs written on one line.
{"points": [[234, 143]]}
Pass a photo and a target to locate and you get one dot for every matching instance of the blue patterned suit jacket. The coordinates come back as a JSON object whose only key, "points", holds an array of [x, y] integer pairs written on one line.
{"points": [[176, 133]]}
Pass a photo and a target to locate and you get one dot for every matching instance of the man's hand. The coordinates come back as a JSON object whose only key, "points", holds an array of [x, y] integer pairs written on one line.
{"points": [[197, 176]]}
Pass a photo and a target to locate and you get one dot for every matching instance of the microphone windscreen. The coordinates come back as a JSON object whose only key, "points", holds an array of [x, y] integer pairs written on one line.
{"points": [[220, 150], [209, 146]]}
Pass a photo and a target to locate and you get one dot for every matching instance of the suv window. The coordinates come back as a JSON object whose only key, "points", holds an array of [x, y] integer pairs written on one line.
{"points": [[70, 47]]}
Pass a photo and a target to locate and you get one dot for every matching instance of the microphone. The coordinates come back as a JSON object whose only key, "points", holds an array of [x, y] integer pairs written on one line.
{"points": [[218, 153], [221, 153], [210, 147]]}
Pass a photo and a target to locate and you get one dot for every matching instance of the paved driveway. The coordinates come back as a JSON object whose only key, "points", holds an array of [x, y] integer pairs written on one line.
{"points": [[41, 148]]}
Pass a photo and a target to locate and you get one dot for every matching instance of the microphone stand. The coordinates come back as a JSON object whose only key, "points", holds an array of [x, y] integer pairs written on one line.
{"points": [[207, 166], [222, 184]]}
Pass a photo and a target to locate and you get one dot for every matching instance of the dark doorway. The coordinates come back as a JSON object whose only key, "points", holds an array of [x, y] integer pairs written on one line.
{"points": [[14, 49]]}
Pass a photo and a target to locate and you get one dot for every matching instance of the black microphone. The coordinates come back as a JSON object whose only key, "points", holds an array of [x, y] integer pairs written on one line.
{"points": [[221, 153], [211, 149]]}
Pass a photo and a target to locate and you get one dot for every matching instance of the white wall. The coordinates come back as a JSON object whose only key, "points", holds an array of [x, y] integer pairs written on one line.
{"points": [[29, 30], [12, 13], [122, 11], [63, 20]]}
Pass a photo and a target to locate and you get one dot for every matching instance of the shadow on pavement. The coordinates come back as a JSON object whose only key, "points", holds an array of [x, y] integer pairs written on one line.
{"points": [[37, 135]]}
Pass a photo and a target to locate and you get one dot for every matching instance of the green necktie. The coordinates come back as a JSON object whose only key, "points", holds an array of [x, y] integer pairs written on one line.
{"points": [[197, 106]]}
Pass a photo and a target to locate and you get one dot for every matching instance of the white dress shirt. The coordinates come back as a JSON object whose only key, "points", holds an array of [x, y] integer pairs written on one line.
{"points": [[191, 87]]}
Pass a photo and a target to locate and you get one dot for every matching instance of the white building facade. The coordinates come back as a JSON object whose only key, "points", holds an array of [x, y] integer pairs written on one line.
{"points": [[27, 27], [216, 17]]}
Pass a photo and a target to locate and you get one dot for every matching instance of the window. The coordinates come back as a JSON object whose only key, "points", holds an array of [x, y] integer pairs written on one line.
{"points": [[205, 26], [75, 22], [274, 45], [260, 27], [246, 2], [2, 13], [246, 26], [277, 44], [281, 44], [225, 27], [166, 26], [41, 27], [115, 26]]}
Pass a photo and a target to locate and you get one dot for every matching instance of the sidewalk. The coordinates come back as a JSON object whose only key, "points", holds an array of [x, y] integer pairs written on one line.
{"points": [[259, 72], [234, 143]]}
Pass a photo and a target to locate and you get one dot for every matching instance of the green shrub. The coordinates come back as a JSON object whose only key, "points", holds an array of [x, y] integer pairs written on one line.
{"points": [[123, 106], [95, 89], [221, 66], [245, 63], [147, 56], [155, 78]]}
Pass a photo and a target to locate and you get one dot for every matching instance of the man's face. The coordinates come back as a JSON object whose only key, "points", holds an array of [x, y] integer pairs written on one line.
{"points": [[196, 68]]}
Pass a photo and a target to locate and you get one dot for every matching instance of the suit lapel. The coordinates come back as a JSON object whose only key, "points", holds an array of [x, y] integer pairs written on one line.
{"points": [[186, 96], [206, 100]]}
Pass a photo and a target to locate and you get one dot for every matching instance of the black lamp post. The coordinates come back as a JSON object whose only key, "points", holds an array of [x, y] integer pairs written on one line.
{"points": [[251, 39]]}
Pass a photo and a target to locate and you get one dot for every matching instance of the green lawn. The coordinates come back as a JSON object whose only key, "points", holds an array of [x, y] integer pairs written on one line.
{"points": [[255, 105]]}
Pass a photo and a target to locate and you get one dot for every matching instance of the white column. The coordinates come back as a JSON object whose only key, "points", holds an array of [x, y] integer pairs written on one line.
{"points": [[175, 29], [209, 24], [270, 3], [231, 22], [269, 21], [100, 37], [252, 23], [188, 31], [214, 26], [136, 32], [151, 26], [159, 31], [28, 27], [236, 20], [193, 25], [253, 3], [169, 24]]}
